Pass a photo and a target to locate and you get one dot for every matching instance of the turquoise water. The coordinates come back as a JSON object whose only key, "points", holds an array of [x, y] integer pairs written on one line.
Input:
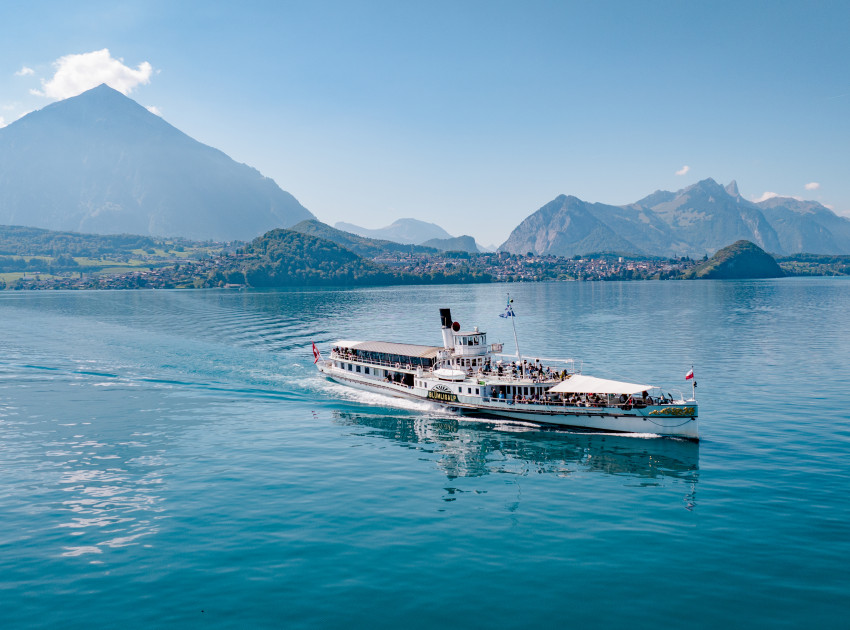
{"points": [[172, 459]]}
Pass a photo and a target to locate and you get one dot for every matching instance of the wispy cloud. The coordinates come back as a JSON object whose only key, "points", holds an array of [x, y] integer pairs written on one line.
{"points": [[78, 73], [812, 186], [153, 109], [684, 170], [24, 72], [2, 122]]}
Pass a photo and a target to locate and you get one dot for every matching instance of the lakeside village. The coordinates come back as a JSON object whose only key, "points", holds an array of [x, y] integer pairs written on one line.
{"points": [[216, 271], [210, 269]]}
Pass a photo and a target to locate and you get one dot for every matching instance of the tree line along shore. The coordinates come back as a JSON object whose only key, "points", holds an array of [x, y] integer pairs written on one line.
{"points": [[39, 259]]}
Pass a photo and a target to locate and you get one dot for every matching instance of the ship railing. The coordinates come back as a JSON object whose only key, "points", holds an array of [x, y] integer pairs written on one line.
{"points": [[341, 356], [565, 403], [509, 378]]}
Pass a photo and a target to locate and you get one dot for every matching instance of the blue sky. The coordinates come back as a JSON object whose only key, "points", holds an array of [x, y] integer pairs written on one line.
{"points": [[468, 114]]}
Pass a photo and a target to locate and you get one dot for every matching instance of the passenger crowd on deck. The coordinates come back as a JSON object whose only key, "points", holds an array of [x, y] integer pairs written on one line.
{"points": [[525, 369], [581, 399]]}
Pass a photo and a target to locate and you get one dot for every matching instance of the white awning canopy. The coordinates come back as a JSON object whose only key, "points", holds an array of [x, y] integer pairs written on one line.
{"points": [[581, 384]]}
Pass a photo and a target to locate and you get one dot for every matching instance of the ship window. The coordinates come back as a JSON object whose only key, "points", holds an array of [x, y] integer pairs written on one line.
{"points": [[366, 369], [460, 390], [468, 390], [476, 391], [358, 368], [349, 367]]}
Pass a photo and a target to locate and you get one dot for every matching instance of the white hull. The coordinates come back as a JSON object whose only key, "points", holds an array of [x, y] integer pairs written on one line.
{"points": [[678, 420]]}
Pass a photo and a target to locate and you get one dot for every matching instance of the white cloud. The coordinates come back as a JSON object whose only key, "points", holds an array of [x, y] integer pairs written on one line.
{"points": [[770, 195], [684, 170], [24, 72], [812, 186], [153, 109], [78, 73], [2, 122], [830, 206]]}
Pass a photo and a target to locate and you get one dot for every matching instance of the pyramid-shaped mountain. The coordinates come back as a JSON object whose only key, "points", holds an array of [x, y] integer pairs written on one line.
{"points": [[694, 221], [101, 163]]}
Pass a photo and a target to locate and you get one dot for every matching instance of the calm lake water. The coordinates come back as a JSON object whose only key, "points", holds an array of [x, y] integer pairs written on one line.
{"points": [[172, 459]]}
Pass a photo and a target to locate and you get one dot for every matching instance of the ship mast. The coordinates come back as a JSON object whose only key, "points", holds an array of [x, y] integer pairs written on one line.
{"points": [[509, 312]]}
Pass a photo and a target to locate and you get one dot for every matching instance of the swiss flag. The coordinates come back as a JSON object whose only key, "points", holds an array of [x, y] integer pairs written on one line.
{"points": [[317, 355], [689, 375]]}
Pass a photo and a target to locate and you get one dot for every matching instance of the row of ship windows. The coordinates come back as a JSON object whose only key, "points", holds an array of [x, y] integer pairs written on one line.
{"points": [[356, 368], [351, 367]]}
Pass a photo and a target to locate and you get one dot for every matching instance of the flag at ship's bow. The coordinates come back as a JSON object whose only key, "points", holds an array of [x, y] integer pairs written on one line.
{"points": [[316, 354], [509, 311]]}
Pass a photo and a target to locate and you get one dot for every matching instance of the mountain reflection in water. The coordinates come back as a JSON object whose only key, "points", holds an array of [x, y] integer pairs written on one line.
{"points": [[473, 449]]}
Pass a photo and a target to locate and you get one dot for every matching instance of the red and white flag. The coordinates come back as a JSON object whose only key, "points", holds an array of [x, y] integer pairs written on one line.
{"points": [[689, 375], [317, 355]]}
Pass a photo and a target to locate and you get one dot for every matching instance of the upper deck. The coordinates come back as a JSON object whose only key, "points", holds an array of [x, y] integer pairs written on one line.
{"points": [[388, 354]]}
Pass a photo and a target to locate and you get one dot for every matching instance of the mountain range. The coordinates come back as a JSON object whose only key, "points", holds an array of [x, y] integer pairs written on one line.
{"points": [[101, 163], [694, 221], [411, 231]]}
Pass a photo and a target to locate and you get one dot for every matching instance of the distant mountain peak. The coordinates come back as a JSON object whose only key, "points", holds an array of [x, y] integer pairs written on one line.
{"points": [[99, 162], [708, 184], [732, 189], [411, 231], [104, 88]]}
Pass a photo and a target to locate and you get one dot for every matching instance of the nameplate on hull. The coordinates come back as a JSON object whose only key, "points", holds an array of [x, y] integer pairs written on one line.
{"points": [[442, 394]]}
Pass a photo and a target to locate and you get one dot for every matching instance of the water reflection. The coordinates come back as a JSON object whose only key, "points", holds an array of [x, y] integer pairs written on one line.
{"points": [[467, 449]]}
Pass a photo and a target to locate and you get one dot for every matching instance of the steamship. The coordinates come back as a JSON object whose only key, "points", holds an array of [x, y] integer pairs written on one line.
{"points": [[470, 376]]}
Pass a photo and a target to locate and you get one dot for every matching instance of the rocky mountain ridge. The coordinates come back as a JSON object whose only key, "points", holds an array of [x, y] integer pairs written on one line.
{"points": [[695, 221]]}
